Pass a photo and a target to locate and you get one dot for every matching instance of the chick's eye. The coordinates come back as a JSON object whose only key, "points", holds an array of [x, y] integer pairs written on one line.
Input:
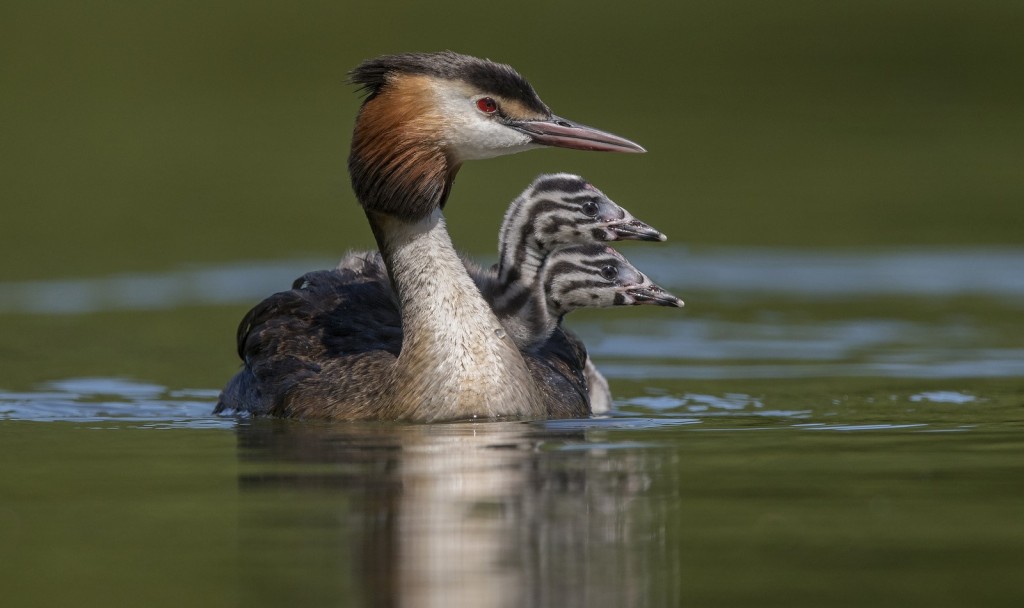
{"points": [[609, 273], [590, 209], [487, 105]]}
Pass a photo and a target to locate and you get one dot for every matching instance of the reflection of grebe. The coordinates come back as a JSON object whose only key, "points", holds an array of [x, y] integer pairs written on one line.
{"points": [[460, 514], [331, 349]]}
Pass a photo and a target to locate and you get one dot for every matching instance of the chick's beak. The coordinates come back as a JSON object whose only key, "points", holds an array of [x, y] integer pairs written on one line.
{"points": [[561, 133], [649, 293], [634, 229]]}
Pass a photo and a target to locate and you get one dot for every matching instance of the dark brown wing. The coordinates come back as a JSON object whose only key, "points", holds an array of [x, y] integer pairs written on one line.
{"points": [[296, 343], [557, 368], [328, 342]]}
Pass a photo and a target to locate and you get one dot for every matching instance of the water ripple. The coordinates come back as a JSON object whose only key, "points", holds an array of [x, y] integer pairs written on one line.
{"points": [[944, 397], [141, 404]]}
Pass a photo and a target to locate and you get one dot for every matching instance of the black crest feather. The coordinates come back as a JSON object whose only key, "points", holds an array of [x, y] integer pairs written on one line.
{"points": [[496, 78]]}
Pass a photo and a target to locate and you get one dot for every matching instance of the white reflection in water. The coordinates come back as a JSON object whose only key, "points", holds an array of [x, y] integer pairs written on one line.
{"points": [[943, 397], [708, 406], [452, 531], [699, 403], [478, 514]]}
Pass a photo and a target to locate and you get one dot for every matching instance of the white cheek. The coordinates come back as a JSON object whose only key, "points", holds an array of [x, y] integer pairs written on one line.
{"points": [[473, 135], [486, 138]]}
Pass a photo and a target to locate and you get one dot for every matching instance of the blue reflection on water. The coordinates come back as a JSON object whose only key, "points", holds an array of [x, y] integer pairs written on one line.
{"points": [[727, 272], [769, 345], [141, 404], [122, 403]]}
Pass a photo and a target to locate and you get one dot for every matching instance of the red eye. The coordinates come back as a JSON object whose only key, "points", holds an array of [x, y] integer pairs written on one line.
{"points": [[487, 105]]}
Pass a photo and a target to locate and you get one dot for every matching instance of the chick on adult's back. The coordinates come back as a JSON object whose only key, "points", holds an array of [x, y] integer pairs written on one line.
{"points": [[331, 348]]}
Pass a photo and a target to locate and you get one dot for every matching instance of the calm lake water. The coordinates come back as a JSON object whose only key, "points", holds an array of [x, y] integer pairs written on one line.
{"points": [[815, 428]]}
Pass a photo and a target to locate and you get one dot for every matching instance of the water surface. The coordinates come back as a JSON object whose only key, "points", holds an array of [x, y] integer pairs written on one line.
{"points": [[774, 443], [833, 420]]}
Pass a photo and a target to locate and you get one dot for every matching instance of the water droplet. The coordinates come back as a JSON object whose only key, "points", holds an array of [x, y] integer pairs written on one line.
{"points": [[499, 332]]}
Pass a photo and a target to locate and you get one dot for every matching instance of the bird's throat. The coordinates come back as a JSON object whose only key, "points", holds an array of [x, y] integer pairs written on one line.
{"points": [[456, 359], [398, 165]]}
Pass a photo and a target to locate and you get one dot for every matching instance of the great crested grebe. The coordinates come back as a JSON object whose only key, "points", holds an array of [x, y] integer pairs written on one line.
{"points": [[330, 349]]}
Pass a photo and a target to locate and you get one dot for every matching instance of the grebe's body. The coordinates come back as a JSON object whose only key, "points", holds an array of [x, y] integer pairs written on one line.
{"points": [[553, 212], [325, 348], [333, 349]]}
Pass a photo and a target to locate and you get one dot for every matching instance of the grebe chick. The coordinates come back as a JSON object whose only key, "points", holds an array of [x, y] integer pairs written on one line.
{"points": [[555, 211], [335, 349], [585, 276]]}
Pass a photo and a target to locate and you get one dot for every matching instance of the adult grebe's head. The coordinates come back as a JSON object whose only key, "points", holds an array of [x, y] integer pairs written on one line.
{"points": [[426, 113]]}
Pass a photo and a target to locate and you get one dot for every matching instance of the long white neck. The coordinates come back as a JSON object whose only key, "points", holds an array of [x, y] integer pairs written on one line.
{"points": [[457, 361], [530, 320]]}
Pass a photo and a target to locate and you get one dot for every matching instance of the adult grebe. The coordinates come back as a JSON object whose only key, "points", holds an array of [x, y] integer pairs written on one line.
{"points": [[331, 351]]}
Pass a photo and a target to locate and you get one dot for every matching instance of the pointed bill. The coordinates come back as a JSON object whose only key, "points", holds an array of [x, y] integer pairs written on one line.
{"points": [[634, 229], [560, 133], [650, 293]]}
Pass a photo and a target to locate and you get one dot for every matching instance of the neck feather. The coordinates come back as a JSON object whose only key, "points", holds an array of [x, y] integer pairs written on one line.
{"points": [[456, 361], [398, 165], [518, 297], [520, 258], [528, 320]]}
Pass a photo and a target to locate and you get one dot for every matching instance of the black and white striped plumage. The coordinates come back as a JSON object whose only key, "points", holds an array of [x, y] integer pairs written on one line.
{"points": [[555, 211], [588, 276]]}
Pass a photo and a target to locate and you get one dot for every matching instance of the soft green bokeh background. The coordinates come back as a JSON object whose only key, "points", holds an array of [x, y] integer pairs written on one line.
{"points": [[144, 136]]}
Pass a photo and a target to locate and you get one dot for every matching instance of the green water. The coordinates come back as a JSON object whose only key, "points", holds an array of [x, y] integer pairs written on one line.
{"points": [[834, 419], [744, 509]]}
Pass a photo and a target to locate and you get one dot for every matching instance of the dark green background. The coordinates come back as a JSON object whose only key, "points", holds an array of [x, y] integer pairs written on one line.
{"points": [[145, 136]]}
